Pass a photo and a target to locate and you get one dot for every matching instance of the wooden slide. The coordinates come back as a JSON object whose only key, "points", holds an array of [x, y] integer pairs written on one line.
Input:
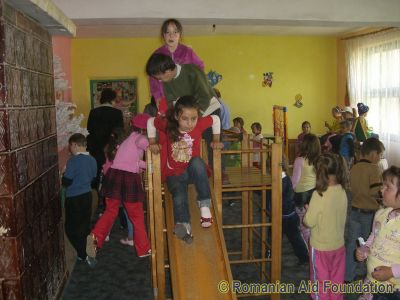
{"points": [[198, 269]]}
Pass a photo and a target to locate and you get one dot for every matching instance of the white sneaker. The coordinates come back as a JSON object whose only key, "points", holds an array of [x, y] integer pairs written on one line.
{"points": [[107, 239], [126, 241], [146, 254]]}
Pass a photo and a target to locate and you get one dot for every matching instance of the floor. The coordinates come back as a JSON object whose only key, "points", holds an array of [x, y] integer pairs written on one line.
{"points": [[121, 275]]}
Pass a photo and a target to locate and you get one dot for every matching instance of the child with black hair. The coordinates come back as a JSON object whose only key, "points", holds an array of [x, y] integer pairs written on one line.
{"points": [[382, 247], [183, 128], [183, 80], [79, 174], [326, 217], [365, 183], [305, 129], [123, 184]]}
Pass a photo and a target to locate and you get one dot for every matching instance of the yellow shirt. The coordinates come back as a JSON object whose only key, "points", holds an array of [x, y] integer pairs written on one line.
{"points": [[384, 250], [326, 217], [307, 178]]}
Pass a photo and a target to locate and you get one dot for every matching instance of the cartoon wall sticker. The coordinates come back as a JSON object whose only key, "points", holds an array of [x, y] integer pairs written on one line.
{"points": [[298, 102], [267, 79], [214, 77]]}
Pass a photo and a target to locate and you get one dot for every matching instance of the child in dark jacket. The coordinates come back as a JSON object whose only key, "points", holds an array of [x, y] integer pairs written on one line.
{"points": [[291, 221]]}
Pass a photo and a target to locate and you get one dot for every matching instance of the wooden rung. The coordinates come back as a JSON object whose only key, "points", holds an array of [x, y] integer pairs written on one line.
{"points": [[246, 225], [246, 261]]}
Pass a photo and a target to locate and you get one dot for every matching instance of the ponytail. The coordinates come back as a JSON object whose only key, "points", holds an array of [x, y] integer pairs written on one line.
{"points": [[330, 164], [322, 175]]}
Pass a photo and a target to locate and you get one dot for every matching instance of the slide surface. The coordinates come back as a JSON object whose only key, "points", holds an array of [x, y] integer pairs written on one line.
{"points": [[198, 269]]}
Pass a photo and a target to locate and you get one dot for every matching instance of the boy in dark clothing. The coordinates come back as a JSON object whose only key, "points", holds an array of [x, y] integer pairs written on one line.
{"points": [[186, 80], [365, 183], [79, 174]]}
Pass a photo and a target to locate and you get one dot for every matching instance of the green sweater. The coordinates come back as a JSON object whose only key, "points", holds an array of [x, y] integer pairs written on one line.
{"points": [[190, 81], [326, 217]]}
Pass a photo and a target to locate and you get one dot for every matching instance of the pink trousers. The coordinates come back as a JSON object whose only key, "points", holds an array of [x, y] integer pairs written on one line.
{"points": [[136, 215], [327, 268]]}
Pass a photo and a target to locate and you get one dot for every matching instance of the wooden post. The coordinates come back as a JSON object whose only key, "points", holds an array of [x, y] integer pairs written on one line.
{"points": [[276, 215], [159, 225], [217, 172]]}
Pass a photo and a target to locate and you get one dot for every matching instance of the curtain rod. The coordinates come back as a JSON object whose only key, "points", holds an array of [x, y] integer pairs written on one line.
{"points": [[368, 33]]}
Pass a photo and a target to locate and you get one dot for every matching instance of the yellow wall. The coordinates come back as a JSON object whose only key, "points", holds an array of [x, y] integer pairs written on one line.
{"points": [[305, 65]]}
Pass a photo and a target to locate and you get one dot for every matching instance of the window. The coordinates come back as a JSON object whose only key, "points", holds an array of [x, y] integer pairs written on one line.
{"points": [[373, 64]]}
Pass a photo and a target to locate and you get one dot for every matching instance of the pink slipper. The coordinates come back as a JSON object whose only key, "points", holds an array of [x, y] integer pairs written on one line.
{"points": [[206, 222]]}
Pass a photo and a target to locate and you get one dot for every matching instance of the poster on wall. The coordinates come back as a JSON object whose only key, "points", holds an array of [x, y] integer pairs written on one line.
{"points": [[126, 90]]}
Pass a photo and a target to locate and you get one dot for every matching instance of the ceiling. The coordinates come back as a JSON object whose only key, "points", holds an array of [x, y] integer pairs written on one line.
{"points": [[139, 18]]}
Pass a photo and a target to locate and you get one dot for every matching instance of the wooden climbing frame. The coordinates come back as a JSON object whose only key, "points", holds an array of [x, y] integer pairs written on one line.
{"points": [[246, 180]]}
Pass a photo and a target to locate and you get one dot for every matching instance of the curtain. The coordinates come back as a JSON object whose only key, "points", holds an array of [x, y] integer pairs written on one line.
{"points": [[373, 66]]}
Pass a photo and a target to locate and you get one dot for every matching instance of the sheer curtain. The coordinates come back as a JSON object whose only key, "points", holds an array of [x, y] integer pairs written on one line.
{"points": [[373, 65]]}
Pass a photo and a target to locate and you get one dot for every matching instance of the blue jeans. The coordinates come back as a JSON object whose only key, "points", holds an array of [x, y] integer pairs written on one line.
{"points": [[129, 225], [359, 224], [196, 173]]}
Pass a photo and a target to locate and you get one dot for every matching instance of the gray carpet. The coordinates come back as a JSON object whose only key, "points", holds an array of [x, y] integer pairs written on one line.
{"points": [[121, 275]]}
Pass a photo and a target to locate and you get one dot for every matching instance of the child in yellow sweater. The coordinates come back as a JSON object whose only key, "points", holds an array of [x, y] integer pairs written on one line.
{"points": [[326, 217]]}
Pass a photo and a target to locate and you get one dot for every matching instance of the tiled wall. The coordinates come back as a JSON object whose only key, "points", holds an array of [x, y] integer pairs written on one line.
{"points": [[32, 264]]}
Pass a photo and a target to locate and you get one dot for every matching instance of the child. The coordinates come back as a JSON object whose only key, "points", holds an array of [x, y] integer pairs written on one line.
{"points": [[365, 182], [305, 129], [239, 123], [304, 177], [171, 34], [348, 114], [139, 122], [225, 115], [360, 126], [383, 244], [184, 128], [257, 137], [181, 80], [123, 184], [337, 117], [326, 217], [80, 172], [234, 160], [290, 220], [346, 143]]}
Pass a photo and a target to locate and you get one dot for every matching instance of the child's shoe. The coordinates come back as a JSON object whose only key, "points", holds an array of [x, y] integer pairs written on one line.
{"points": [[148, 253], [206, 218], [91, 245], [91, 261], [126, 241], [183, 232]]}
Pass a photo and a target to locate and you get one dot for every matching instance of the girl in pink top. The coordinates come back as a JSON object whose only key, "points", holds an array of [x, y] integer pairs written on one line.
{"points": [[123, 184], [171, 33]]}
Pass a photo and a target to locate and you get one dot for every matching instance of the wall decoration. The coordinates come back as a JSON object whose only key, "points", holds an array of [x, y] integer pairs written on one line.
{"points": [[298, 102], [67, 123], [126, 90], [267, 80], [66, 120], [214, 77]]}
